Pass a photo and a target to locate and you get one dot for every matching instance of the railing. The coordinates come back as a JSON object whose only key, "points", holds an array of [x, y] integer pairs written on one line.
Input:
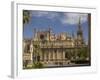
{"points": [[55, 44]]}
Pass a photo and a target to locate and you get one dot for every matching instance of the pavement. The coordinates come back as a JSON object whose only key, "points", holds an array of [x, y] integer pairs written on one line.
{"points": [[64, 65]]}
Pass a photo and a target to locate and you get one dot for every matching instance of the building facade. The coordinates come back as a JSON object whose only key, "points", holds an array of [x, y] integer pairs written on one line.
{"points": [[54, 49]]}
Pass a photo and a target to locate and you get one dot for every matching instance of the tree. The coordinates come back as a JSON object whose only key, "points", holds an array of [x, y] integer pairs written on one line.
{"points": [[26, 16], [83, 54]]}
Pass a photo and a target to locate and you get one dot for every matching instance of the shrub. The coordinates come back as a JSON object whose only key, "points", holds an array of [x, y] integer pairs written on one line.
{"points": [[37, 65]]}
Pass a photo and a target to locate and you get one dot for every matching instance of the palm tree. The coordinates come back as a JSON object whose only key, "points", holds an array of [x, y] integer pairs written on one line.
{"points": [[26, 16]]}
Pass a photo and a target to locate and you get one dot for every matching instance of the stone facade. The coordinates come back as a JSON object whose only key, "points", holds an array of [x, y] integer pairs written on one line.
{"points": [[49, 48]]}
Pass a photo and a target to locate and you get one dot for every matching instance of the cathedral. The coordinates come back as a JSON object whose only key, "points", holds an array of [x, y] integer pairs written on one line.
{"points": [[55, 49]]}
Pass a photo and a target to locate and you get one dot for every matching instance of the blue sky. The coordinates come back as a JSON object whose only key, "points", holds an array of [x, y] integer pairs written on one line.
{"points": [[58, 21]]}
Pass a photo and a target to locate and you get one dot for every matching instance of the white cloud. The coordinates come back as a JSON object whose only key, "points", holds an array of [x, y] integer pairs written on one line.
{"points": [[73, 18], [39, 13], [64, 18], [49, 15]]}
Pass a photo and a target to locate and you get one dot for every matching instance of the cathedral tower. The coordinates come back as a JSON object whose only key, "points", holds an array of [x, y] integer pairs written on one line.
{"points": [[80, 40]]}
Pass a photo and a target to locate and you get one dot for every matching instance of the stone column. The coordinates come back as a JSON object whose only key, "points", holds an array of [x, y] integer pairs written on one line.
{"points": [[53, 56], [41, 56], [63, 55], [56, 55], [31, 54], [44, 56], [47, 55]]}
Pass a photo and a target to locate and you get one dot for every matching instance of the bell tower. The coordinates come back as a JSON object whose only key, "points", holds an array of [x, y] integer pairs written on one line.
{"points": [[80, 40]]}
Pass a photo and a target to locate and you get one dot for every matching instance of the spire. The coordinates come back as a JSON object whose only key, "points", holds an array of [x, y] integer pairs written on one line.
{"points": [[79, 32], [49, 32], [34, 33], [73, 36], [79, 24], [50, 29]]}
